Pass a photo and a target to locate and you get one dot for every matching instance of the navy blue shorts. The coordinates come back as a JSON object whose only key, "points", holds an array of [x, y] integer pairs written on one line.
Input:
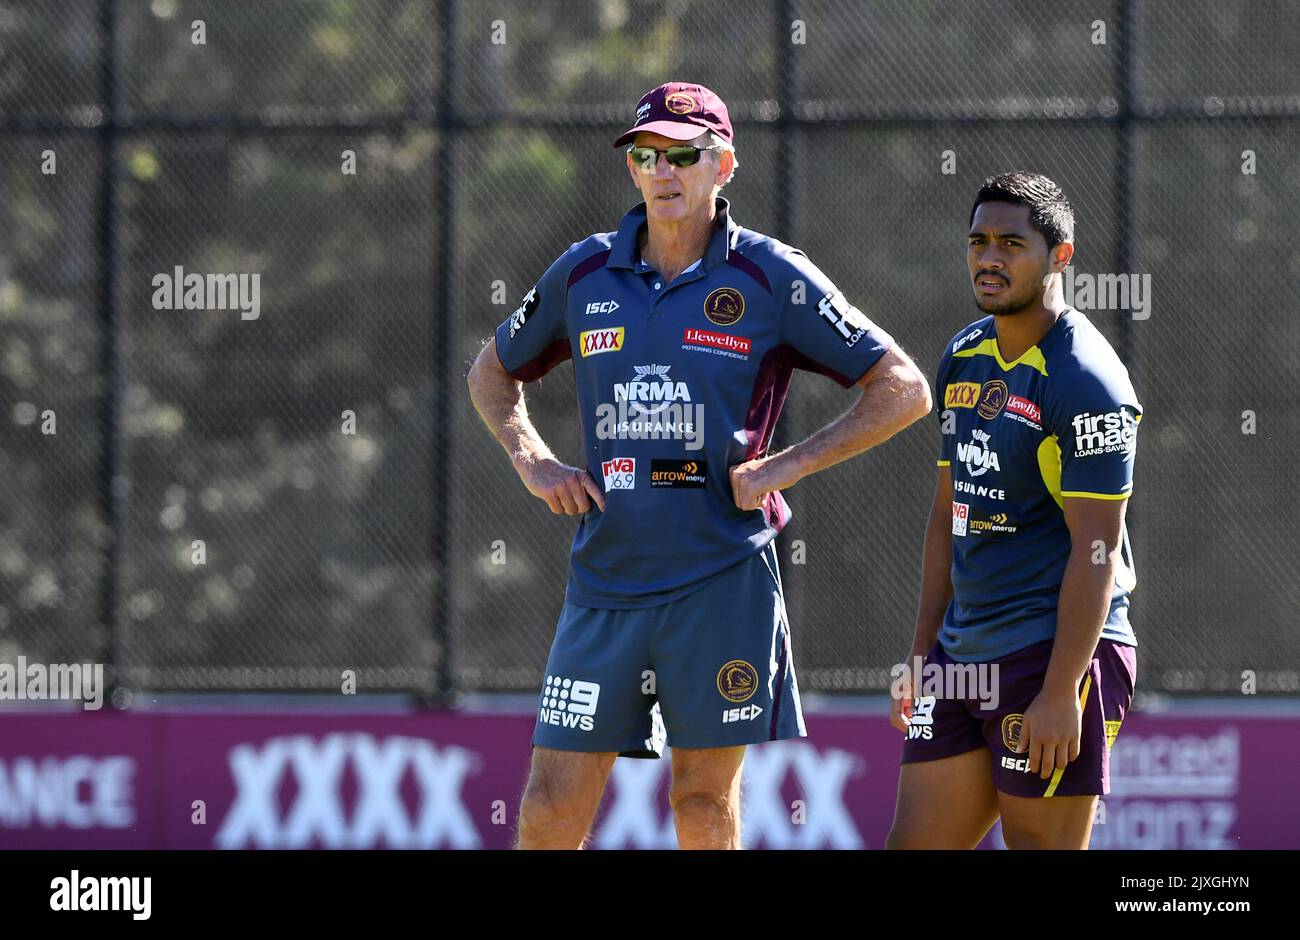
{"points": [[711, 669]]}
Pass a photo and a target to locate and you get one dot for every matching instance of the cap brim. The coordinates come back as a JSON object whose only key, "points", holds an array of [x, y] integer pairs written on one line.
{"points": [[676, 130]]}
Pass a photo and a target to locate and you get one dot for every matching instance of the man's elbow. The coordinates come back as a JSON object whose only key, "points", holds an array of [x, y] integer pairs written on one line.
{"points": [[919, 393], [915, 391], [487, 357]]}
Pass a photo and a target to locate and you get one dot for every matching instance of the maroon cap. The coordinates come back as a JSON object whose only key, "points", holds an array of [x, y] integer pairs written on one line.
{"points": [[681, 111]]}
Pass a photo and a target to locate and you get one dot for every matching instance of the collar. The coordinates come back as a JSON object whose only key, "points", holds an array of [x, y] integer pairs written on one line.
{"points": [[623, 251]]}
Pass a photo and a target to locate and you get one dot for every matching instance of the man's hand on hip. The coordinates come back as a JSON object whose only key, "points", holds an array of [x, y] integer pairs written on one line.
{"points": [[567, 490], [752, 480]]}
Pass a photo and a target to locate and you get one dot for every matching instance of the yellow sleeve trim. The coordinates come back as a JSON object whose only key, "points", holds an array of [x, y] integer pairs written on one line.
{"points": [[945, 463], [1098, 495]]}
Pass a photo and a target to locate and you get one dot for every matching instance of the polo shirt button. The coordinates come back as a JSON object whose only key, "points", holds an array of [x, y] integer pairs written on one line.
{"points": [[657, 285]]}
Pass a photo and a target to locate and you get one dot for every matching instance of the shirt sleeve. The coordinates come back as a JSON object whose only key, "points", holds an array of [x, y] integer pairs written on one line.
{"points": [[827, 333], [1095, 420], [535, 338]]}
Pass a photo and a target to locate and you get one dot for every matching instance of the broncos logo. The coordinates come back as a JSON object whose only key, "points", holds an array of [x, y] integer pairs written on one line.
{"points": [[737, 681], [724, 306]]}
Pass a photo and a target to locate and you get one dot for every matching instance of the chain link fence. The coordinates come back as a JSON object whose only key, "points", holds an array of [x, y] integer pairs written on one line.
{"points": [[211, 500]]}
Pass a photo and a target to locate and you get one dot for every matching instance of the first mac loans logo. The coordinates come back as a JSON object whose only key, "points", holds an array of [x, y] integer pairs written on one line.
{"points": [[1108, 433], [523, 312], [849, 322]]}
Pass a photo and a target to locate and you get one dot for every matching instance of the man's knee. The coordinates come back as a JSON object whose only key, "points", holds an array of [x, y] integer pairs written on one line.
{"points": [[1056, 823], [561, 797], [1025, 834], [912, 831], [705, 798], [706, 818], [697, 800], [544, 806]]}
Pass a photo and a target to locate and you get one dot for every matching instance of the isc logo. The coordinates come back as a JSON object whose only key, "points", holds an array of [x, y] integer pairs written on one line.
{"points": [[747, 713], [1010, 763], [602, 306], [594, 342]]}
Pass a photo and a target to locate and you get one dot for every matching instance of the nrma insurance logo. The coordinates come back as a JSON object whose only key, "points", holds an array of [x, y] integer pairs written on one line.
{"points": [[652, 405], [976, 455]]}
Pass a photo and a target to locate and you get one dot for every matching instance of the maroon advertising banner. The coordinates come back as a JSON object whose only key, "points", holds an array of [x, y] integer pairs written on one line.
{"points": [[238, 780]]}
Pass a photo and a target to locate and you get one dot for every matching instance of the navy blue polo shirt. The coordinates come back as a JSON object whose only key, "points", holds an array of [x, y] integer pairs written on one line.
{"points": [[1061, 420], [676, 384]]}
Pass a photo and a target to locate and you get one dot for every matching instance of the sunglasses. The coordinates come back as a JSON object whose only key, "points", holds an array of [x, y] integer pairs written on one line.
{"points": [[680, 156]]}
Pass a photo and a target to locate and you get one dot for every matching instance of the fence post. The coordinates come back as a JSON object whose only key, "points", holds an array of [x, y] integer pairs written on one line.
{"points": [[1125, 172], [444, 353], [786, 121], [114, 477], [1126, 189]]}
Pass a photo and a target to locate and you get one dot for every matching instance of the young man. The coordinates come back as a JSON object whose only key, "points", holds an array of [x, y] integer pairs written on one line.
{"points": [[1027, 569], [683, 329]]}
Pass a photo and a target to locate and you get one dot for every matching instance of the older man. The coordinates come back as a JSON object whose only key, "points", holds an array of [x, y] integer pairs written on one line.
{"points": [[684, 329]]}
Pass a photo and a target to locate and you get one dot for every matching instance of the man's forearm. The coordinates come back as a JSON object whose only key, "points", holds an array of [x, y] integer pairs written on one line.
{"points": [[936, 583], [499, 400], [1081, 613], [884, 408]]}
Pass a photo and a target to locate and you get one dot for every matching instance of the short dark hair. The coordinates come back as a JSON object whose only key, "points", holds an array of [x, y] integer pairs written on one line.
{"points": [[1049, 210]]}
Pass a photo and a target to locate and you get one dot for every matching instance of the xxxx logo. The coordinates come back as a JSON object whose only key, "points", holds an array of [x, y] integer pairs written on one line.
{"points": [[961, 395], [594, 342], [824, 780], [386, 811]]}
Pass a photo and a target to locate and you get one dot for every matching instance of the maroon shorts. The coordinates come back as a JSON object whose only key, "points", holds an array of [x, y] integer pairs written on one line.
{"points": [[947, 726]]}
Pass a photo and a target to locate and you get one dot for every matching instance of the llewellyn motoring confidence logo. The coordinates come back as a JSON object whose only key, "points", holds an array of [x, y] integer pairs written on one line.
{"points": [[719, 344]]}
